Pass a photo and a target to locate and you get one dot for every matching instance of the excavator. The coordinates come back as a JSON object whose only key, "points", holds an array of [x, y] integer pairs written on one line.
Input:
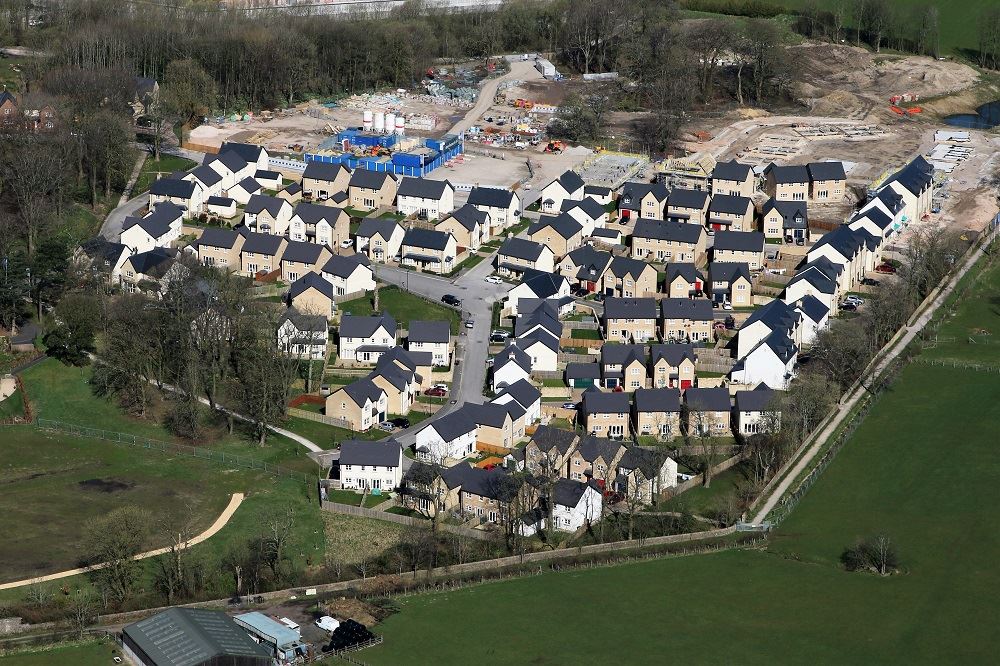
{"points": [[555, 147]]}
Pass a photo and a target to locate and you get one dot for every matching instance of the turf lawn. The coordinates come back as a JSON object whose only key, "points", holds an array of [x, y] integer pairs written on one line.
{"points": [[97, 653], [403, 306], [979, 313], [152, 170]]}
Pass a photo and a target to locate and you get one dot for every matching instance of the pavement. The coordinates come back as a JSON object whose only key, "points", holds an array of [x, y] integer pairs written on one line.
{"points": [[220, 522]]}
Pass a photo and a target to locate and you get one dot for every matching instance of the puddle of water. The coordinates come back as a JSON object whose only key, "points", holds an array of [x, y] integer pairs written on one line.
{"points": [[986, 116]]}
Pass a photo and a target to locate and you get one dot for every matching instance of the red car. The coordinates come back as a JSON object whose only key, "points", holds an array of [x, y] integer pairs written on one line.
{"points": [[436, 392], [885, 269]]}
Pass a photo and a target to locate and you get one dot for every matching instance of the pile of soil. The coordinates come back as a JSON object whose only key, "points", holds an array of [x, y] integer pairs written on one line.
{"points": [[111, 485], [348, 608]]}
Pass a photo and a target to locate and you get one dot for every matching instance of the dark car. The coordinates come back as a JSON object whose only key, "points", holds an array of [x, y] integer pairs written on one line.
{"points": [[436, 392], [400, 422], [885, 269], [449, 299], [869, 282], [848, 307], [500, 339]]}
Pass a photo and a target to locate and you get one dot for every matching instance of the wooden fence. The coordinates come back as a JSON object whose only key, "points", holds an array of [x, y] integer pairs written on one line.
{"points": [[319, 418], [410, 521]]}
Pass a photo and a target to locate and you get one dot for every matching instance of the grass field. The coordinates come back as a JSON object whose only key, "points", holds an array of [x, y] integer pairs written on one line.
{"points": [[977, 318], [152, 170], [403, 306], [12, 406], [97, 653], [922, 468]]}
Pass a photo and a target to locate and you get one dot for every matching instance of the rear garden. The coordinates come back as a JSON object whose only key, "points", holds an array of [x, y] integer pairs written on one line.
{"points": [[404, 307]]}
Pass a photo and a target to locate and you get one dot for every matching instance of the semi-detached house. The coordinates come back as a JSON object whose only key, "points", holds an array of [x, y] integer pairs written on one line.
{"points": [[323, 225], [731, 213], [567, 186], [786, 183], [220, 248], [630, 319], [433, 337], [688, 206], [733, 178], [518, 255], [185, 194], [426, 199], [429, 250], [787, 220], [371, 465], [657, 240], [642, 201], [627, 277], [502, 205], [739, 247], [371, 190], [469, 225], [827, 181], [686, 319], [261, 253], [361, 404], [606, 414], [321, 180], [267, 215], [562, 234], [311, 294], [730, 282], [159, 228], [380, 238], [590, 214], [708, 412], [683, 280], [349, 274]]}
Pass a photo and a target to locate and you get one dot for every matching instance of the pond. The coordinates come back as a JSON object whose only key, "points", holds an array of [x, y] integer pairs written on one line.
{"points": [[986, 116]]}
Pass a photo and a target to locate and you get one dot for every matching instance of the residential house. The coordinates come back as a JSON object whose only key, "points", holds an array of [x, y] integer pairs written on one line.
{"points": [[707, 412], [301, 258], [267, 215], [243, 190], [642, 201], [424, 488], [772, 362], [510, 366], [623, 366], [322, 225], [380, 238], [686, 319], [827, 182], [882, 216], [756, 412], [630, 319], [221, 206], [482, 491], [433, 337], [256, 156], [567, 186], [548, 450], [590, 214], [468, 225], [561, 234], [815, 317], [451, 437], [371, 190], [739, 247], [268, 179], [600, 194], [818, 279], [518, 255], [688, 206], [399, 383], [585, 267], [231, 166], [502, 205], [915, 183], [102, 257], [524, 394], [8, 107], [159, 228], [673, 366], [426, 199], [734, 179], [606, 414], [220, 248], [595, 459], [786, 183], [188, 196], [774, 317], [302, 335], [360, 405], [730, 283], [542, 347], [574, 506], [683, 280], [627, 277], [656, 240], [321, 180], [541, 286], [643, 474], [292, 193], [208, 178], [429, 250], [365, 339], [311, 294], [788, 220], [151, 271], [848, 248], [495, 424], [367, 466], [419, 363], [731, 213]]}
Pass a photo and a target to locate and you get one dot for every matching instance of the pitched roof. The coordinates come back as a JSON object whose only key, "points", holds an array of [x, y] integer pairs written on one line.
{"points": [[218, 237], [469, 216], [695, 309], [220, 201], [633, 193], [100, 247], [314, 281], [521, 248], [567, 492], [311, 213], [591, 208], [387, 453], [356, 326], [172, 187], [794, 214], [629, 308], [487, 414], [728, 271], [592, 447], [846, 241], [523, 392], [474, 480], [826, 171], [327, 171], [258, 243], [741, 241], [730, 204], [363, 390], [672, 353], [590, 263], [260, 202], [707, 399], [248, 151], [814, 276], [371, 180], [303, 252], [596, 402], [377, 226], [583, 370], [812, 307], [429, 331], [647, 461], [511, 354], [915, 176], [453, 425], [491, 197], [775, 315], [153, 263], [206, 175], [683, 198], [622, 267], [547, 438], [563, 224], [429, 239], [303, 322], [668, 230], [570, 181], [758, 400], [250, 185], [422, 188], [731, 170], [657, 400], [786, 175], [686, 270], [193, 636]]}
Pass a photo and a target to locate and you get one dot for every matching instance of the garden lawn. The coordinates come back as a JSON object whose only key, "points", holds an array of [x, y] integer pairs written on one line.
{"points": [[98, 653], [979, 313], [12, 406], [923, 468], [153, 170], [403, 306]]}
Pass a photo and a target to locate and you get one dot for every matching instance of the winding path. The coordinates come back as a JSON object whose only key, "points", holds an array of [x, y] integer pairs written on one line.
{"points": [[220, 522]]}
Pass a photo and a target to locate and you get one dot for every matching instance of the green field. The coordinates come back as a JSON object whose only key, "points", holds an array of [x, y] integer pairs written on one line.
{"points": [[972, 332], [153, 170], [403, 306], [82, 654]]}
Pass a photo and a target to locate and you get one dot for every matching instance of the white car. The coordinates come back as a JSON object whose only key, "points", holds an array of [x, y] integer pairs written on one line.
{"points": [[726, 305], [327, 624], [469, 324], [439, 385], [857, 300], [493, 279], [347, 243]]}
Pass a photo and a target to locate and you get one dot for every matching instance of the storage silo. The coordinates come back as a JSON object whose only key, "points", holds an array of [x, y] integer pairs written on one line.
{"points": [[390, 123], [366, 124], [400, 125], [379, 122]]}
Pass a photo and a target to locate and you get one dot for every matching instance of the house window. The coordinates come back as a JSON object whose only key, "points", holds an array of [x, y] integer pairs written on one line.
{"points": [[798, 196]]}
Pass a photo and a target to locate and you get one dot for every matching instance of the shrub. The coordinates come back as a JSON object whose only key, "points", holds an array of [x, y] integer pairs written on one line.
{"points": [[877, 554]]}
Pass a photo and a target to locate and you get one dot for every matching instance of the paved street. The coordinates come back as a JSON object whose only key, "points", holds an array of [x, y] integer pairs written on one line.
{"points": [[472, 346]]}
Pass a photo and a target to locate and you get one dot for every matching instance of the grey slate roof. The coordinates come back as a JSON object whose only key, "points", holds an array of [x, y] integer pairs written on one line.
{"points": [[757, 400], [590, 263], [429, 331], [323, 171], [153, 263], [383, 454], [453, 425], [695, 309], [172, 187], [100, 248], [491, 197], [303, 252], [591, 208], [647, 461], [775, 314], [785, 175], [745, 241], [218, 237], [686, 270], [261, 202], [567, 492], [619, 354], [248, 151], [354, 326], [730, 204], [781, 345], [314, 281], [583, 370], [371, 180], [817, 278], [563, 224], [469, 216], [362, 390], [591, 447], [426, 238], [220, 201], [826, 171], [523, 392], [633, 194], [206, 175], [521, 248], [311, 213], [547, 438], [258, 243], [731, 170], [570, 181], [728, 271], [596, 402], [377, 226], [812, 307], [672, 353], [423, 188], [707, 399], [629, 308], [654, 400], [916, 176], [679, 232], [622, 267], [487, 414], [684, 198], [184, 636], [794, 214], [511, 354], [250, 185], [266, 174]]}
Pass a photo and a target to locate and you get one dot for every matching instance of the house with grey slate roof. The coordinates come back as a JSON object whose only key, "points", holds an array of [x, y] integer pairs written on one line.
{"points": [[371, 465], [425, 198], [380, 238], [365, 339], [429, 250], [433, 337], [371, 190]]}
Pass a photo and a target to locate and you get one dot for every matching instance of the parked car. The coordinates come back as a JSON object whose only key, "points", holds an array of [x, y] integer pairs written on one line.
{"points": [[498, 338], [857, 300], [401, 422], [436, 392], [848, 307], [800, 241], [387, 426], [885, 269], [580, 292], [442, 386], [869, 282], [726, 305], [469, 323], [450, 299], [494, 279], [347, 242], [569, 405], [599, 297]]}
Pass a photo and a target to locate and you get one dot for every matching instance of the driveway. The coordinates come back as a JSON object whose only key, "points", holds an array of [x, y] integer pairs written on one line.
{"points": [[519, 70]]}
